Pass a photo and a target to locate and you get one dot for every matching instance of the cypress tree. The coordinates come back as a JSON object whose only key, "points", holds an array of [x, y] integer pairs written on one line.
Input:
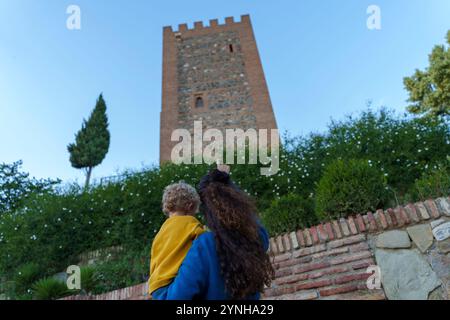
{"points": [[92, 141]]}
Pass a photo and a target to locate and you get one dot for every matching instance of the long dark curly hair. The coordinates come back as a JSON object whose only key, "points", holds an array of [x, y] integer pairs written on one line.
{"points": [[232, 216]]}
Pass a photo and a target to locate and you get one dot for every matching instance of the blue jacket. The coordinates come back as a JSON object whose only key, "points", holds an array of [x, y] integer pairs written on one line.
{"points": [[199, 276]]}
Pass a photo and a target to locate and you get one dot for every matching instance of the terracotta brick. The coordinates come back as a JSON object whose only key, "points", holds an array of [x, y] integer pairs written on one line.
{"points": [[388, 219], [273, 246], [412, 213], [287, 242], [372, 222], [346, 241], [314, 235], [302, 295], [323, 237], [360, 223], [270, 292], [344, 227], [351, 277], [350, 257], [282, 257], [291, 262], [280, 244], [325, 272], [283, 272], [313, 284], [290, 279], [309, 267], [403, 215], [366, 222], [338, 290], [390, 213], [398, 218], [309, 250], [432, 208], [380, 215], [308, 295], [294, 240], [307, 236], [351, 224], [331, 252], [301, 240], [363, 264], [337, 229], [424, 215], [329, 230], [358, 247]]}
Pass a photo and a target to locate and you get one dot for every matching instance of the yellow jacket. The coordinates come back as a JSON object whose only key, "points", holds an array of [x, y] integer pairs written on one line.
{"points": [[170, 247]]}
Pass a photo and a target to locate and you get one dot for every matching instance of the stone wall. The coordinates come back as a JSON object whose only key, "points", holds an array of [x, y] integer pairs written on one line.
{"points": [[410, 245]]}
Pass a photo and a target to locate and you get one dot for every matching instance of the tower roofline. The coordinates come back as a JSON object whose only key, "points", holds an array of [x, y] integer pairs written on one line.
{"points": [[213, 23]]}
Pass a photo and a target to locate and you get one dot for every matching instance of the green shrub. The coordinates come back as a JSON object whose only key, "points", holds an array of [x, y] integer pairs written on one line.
{"points": [[129, 269], [433, 184], [25, 276], [289, 213], [50, 289], [88, 281], [349, 187]]}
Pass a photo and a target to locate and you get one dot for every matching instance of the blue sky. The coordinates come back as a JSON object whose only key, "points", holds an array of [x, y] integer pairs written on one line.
{"points": [[320, 61]]}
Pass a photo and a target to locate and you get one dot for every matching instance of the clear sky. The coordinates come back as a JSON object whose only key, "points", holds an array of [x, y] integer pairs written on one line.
{"points": [[320, 61]]}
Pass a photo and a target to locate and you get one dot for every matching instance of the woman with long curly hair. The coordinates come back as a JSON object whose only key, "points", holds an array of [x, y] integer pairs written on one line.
{"points": [[231, 260]]}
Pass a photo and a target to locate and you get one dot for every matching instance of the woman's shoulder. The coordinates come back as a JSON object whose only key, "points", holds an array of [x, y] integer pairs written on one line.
{"points": [[204, 238]]}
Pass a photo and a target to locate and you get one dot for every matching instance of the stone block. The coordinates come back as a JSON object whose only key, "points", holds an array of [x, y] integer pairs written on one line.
{"points": [[393, 239], [421, 235], [442, 231], [405, 274]]}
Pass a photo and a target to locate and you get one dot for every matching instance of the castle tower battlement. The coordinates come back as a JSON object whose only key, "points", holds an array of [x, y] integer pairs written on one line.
{"points": [[213, 23], [212, 73]]}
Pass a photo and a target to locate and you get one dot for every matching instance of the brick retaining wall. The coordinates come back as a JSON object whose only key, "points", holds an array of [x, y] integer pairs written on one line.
{"points": [[330, 260]]}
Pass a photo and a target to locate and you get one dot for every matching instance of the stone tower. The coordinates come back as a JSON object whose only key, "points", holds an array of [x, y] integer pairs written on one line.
{"points": [[214, 74]]}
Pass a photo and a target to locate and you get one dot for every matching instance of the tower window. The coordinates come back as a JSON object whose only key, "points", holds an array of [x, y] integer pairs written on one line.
{"points": [[199, 103], [231, 48]]}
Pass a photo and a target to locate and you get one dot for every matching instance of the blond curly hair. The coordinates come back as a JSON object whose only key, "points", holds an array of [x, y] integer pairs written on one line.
{"points": [[180, 197]]}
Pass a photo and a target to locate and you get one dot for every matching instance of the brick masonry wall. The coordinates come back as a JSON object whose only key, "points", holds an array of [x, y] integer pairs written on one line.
{"points": [[330, 260], [138, 292], [199, 62]]}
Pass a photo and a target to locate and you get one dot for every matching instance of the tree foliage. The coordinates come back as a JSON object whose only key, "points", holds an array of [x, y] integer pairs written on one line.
{"points": [[429, 90], [16, 186], [349, 187], [92, 141]]}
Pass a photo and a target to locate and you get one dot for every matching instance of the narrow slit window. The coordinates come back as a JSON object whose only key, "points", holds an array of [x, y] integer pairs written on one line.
{"points": [[199, 102], [231, 48]]}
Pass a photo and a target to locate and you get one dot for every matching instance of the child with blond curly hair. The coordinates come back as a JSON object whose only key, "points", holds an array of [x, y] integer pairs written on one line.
{"points": [[180, 203]]}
